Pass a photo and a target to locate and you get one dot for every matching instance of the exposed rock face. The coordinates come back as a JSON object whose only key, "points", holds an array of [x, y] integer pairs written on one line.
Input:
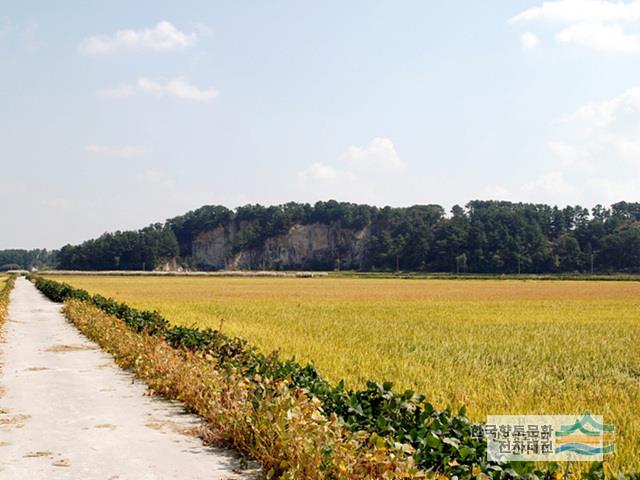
{"points": [[170, 265], [212, 249], [302, 247]]}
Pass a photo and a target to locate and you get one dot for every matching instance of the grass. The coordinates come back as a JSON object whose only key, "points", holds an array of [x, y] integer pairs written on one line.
{"points": [[496, 346], [6, 284]]}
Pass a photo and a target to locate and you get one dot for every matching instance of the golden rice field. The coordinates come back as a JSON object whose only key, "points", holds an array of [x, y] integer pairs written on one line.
{"points": [[496, 346]]}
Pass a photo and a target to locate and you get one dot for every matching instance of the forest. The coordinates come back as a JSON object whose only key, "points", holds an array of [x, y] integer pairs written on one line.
{"points": [[481, 237], [17, 259]]}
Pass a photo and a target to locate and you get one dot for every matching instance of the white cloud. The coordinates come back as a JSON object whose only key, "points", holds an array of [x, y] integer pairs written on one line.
{"points": [[603, 38], [163, 37], [319, 171], [573, 11], [529, 40], [360, 172], [596, 151], [594, 24], [127, 151], [616, 114], [380, 154], [379, 157], [177, 87]]}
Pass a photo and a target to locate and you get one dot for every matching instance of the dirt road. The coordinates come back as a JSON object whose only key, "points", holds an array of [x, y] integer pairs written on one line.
{"points": [[68, 412]]}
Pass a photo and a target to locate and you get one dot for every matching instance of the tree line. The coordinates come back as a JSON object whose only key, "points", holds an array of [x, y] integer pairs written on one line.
{"points": [[17, 259], [481, 237]]}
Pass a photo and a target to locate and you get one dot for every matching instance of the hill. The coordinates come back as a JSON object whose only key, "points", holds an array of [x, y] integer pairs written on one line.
{"points": [[482, 237]]}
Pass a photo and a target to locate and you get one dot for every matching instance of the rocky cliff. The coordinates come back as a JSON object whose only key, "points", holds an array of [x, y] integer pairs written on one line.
{"points": [[313, 246]]}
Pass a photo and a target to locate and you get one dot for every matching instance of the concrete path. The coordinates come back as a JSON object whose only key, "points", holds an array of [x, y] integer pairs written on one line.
{"points": [[68, 412]]}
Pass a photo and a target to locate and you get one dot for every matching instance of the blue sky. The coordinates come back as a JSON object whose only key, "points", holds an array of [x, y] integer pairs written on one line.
{"points": [[118, 114]]}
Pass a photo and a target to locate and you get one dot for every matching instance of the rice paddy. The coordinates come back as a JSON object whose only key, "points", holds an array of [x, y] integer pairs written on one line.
{"points": [[495, 346]]}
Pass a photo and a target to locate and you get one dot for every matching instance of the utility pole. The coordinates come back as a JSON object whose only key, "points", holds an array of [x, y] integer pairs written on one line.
{"points": [[518, 264], [397, 263], [592, 255], [458, 265]]}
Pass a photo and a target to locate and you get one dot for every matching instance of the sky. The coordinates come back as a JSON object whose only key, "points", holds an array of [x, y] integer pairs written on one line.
{"points": [[118, 114]]}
